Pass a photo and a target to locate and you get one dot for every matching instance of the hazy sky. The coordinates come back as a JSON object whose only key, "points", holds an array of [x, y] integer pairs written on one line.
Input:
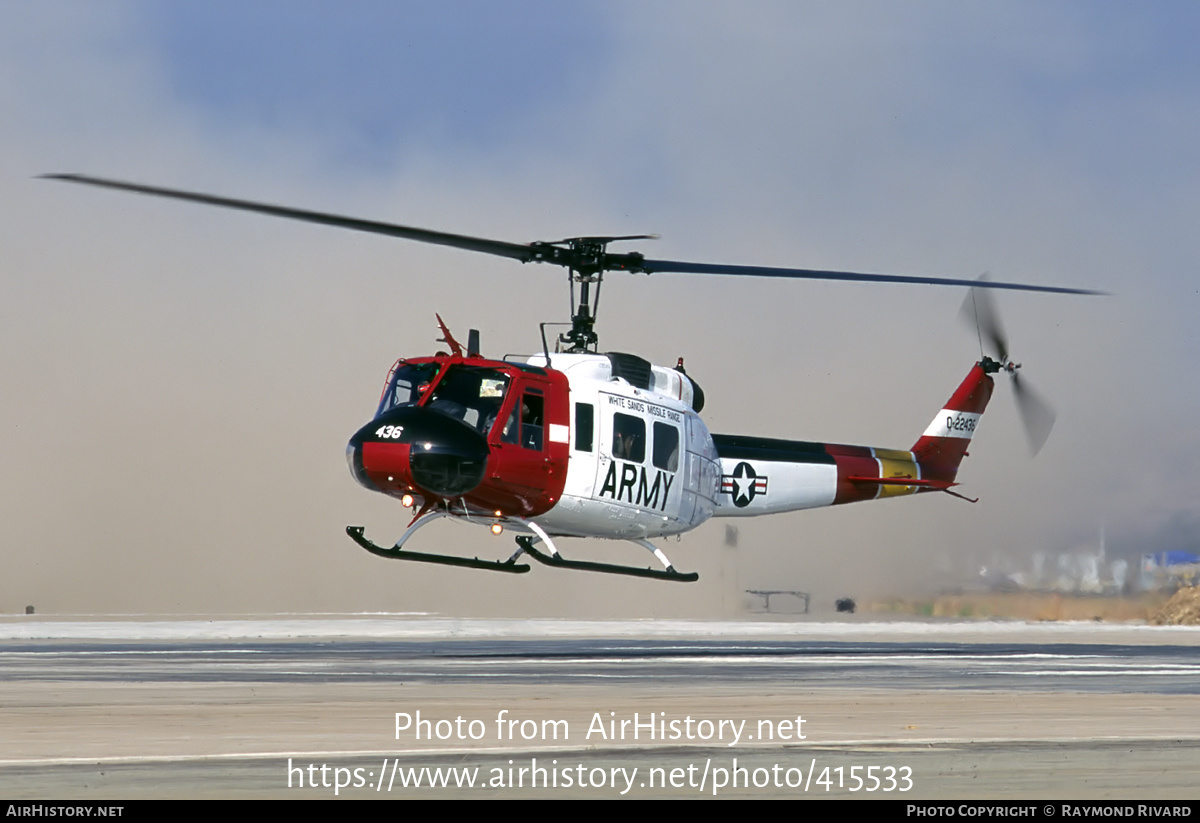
{"points": [[181, 381]]}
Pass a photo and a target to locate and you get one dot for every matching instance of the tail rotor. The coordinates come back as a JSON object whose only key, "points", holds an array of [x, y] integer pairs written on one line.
{"points": [[1037, 416]]}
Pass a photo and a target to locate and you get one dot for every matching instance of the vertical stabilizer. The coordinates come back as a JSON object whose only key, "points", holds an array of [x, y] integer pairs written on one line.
{"points": [[944, 443]]}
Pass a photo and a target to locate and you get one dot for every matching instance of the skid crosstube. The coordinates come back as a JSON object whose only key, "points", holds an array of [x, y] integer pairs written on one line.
{"points": [[526, 543], [356, 534]]}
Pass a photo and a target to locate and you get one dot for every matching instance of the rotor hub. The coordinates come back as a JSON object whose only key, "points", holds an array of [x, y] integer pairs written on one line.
{"points": [[991, 366]]}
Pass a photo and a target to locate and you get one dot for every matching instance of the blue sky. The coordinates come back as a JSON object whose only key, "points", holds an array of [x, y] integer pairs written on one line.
{"points": [[373, 79], [216, 363], [370, 75]]}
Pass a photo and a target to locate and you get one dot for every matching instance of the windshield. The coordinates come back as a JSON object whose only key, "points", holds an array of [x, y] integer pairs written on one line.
{"points": [[470, 395], [406, 385]]}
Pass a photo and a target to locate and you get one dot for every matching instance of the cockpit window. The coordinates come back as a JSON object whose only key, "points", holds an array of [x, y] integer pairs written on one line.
{"points": [[407, 385], [470, 395]]}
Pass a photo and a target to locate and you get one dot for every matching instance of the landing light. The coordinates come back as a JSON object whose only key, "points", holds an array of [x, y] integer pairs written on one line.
{"points": [[497, 528], [407, 501]]}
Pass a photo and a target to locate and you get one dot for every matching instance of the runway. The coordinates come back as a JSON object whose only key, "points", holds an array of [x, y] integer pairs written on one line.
{"points": [[359, 706]]}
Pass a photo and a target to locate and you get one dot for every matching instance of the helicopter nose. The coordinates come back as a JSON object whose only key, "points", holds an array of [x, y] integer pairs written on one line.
{"points": [[417, 447]]}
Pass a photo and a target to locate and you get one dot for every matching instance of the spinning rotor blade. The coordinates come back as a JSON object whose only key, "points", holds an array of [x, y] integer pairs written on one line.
{"points": [[585, 256], [1036, 414], [979, 312]]}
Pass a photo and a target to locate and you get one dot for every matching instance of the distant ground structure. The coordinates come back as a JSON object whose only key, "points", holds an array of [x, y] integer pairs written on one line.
{"points": [[766, 594], [1092, 573], [1169, 570], [846, 604]]}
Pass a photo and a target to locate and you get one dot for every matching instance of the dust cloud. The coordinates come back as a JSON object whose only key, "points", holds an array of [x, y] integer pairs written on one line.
{"points": [[180, 382]]}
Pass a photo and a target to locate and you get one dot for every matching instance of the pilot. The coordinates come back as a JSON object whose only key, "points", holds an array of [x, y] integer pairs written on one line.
{"points": [[624, 445], [490, 411]]}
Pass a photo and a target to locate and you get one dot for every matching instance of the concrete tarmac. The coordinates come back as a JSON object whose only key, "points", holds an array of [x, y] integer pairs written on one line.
{"points": [[95, 710]]}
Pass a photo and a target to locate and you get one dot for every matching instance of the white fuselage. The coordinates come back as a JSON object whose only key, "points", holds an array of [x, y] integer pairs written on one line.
{"points": [[643, 466]]}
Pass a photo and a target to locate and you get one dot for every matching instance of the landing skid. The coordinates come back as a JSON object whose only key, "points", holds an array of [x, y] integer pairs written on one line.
{"points": [[510, 566], [526, 544]]}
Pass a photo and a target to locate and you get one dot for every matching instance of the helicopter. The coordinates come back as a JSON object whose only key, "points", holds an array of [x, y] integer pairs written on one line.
{"points": [[583, 443]]}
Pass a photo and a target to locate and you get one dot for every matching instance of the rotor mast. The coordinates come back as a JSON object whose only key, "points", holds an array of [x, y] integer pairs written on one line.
{"points": [[586, 259], [582, 337]]}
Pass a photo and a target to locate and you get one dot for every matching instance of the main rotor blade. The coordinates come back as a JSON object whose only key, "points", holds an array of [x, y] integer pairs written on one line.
{"points": [[657, 266], [538, 252], [517, 251]]}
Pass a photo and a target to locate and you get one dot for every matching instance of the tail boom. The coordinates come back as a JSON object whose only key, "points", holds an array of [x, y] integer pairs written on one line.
{"points": [[762, 475]]}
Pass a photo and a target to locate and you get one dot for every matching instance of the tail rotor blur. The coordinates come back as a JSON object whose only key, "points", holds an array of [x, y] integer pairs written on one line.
{"points": [[1037, 416]]}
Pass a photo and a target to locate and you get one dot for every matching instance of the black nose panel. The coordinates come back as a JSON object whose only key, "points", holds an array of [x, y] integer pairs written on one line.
{"points": [[446, 457]]}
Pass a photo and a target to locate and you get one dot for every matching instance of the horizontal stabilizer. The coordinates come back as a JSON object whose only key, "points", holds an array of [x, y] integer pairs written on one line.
{"points": [[903, 481]]}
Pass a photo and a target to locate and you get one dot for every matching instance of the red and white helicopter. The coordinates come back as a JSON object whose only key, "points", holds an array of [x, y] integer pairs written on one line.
{"points": [[577, 443]]}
